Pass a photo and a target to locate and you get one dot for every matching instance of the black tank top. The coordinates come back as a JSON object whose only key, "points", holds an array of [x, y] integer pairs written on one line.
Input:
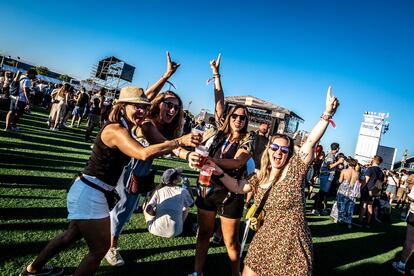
{"points": [[105, 163]]}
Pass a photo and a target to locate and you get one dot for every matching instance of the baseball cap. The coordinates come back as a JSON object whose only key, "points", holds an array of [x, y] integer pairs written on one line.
{"points": [[170, 175]]}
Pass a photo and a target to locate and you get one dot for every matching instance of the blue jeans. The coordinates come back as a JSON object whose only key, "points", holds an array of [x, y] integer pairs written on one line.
{"points": [[124, 209]]}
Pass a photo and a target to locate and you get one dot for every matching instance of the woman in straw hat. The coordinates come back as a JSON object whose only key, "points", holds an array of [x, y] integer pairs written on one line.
{"points": [[163, 121], [87, 199]]}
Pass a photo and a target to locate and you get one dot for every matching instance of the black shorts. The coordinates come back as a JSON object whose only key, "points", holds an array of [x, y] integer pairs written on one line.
{"points": [[410, 219], [365, 197], [232, 208], [18, 107]]}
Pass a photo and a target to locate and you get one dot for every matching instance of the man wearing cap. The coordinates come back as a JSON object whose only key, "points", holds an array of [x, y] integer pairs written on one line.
{"points": [[167, 209]]}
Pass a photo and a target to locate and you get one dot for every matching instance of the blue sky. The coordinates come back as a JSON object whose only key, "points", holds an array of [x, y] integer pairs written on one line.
{"points": [[285, 52]]}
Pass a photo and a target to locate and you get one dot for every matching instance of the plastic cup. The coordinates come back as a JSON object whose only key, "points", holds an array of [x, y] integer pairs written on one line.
{"points": [[203, 152], [205, 175], [196, 131]]}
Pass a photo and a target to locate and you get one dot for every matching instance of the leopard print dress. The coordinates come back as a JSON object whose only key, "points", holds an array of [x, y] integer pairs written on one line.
{"points": [[283, 245]]}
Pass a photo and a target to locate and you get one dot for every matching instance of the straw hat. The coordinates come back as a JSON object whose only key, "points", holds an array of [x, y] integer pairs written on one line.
{"points": [[130, 94]]}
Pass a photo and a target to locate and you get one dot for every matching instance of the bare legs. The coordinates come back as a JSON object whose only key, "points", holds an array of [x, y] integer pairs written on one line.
{"points": [[97, 236], [230, 229]]}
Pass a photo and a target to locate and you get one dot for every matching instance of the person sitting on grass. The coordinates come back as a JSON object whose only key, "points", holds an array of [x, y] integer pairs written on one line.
{"points": [[167, 208]]}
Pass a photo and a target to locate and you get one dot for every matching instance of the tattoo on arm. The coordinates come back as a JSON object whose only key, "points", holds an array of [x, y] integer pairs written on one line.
{"points": [[303, 155]]}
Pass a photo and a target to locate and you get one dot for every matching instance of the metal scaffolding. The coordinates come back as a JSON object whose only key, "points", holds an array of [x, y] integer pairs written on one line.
{"points": [[112, 74]]}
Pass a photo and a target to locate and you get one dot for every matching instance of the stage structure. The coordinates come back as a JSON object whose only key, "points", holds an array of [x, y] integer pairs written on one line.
{"points": [[112, 74], [373, 126], [280, 119]]}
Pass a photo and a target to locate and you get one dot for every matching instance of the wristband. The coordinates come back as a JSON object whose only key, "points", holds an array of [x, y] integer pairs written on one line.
{"points": [[177, 144], [328, 118], [187, 155], [221, 175]]}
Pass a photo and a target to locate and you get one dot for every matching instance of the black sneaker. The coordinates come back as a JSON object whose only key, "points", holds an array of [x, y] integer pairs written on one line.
{"points": [[47, 270]]}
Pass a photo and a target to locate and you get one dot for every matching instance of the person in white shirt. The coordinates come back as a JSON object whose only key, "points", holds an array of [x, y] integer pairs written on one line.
{"points": [[21, 102], [167, 209]]}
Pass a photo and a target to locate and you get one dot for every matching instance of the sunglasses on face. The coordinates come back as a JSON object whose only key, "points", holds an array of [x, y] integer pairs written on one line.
{"points": [[171, 105], [242, 117], [140, 107], [283, 149]]}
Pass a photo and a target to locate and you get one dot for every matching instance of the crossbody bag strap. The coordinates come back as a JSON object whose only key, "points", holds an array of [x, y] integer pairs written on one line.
{"points": [[262, 202], [93, 185]]}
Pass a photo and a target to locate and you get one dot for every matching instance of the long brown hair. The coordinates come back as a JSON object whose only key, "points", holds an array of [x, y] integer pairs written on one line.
{"points": [[173, 129], [226, 129], [265, 165], [116, 113]]}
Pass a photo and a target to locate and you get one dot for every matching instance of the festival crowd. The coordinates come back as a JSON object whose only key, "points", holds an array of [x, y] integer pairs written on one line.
{"points": [[271, 176]]}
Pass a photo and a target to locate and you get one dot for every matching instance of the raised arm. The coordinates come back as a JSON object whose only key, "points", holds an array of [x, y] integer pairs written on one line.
{"points": [[153, 91], [307, 149], [218, 91], [115, 135]]}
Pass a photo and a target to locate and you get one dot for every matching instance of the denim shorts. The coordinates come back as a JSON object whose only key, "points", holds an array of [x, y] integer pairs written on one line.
{"points": [[85, 202], [78, 111]]}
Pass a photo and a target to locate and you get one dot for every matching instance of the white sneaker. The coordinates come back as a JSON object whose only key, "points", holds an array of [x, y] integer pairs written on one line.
{"points": [[113, 257], [399, 266]]}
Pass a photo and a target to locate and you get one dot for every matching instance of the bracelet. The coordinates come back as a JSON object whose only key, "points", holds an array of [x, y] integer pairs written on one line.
{"points": [[187, 155], [177, 144], [216, 75], [326, 117], [221, 175]]}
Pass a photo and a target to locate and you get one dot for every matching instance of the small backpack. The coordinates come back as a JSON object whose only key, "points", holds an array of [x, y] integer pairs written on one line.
{"points": [[14, 88]]}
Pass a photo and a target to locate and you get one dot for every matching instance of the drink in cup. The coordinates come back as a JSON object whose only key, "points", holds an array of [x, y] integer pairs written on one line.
{"points": [[205, 175], [196, 131], [203, 152]]}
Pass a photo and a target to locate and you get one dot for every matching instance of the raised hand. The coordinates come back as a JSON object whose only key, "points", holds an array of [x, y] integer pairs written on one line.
{"points": [[171, 66], [332, 102], [215, 64]]}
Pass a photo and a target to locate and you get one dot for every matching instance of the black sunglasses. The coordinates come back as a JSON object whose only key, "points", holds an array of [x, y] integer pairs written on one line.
{"points": [[171, 105], [283, 149], [242, 117]]}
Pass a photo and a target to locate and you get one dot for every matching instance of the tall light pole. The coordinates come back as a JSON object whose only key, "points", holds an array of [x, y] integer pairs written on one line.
{"points": [[189, 103]]}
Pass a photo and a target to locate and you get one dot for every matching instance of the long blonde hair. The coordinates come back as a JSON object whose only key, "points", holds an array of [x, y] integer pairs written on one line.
{"points": [[265, 165]]}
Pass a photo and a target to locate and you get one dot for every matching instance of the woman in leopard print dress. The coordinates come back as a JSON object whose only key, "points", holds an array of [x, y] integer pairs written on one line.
{"points": [[283, 244]]}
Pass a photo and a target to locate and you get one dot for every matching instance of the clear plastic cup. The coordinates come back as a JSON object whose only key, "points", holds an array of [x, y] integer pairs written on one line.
{"points": [[196, 131], [205, 175], [203, 152]]}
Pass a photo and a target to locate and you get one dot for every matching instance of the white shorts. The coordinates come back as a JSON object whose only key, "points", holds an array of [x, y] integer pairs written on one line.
{"points": [[85, 202]]}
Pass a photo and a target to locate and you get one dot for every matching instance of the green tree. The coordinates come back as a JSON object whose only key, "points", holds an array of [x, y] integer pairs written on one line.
{"points": [[64, 78], [42, 70]]}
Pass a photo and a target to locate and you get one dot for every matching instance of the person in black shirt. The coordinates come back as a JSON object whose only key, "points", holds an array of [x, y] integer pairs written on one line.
{"points": [[87, 206], [260, 143], [372, 175]]}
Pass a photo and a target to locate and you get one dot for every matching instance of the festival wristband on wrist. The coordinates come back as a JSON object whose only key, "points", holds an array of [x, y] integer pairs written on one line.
{"points": [[221, 175], [212, 78], [187, 155], [328, 118]]}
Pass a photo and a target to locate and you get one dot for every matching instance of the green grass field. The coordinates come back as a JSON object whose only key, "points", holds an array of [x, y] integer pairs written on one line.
{"points": [[36, 164]]}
